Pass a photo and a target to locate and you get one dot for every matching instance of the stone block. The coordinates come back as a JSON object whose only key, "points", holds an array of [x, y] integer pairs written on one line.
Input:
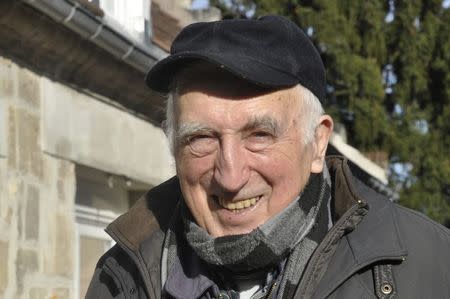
{"points": [[8, 216], [26, 262], [38, 293], [66, 176], [25, 141], [7, 76], [66, 170], [29, 87], [29, 153], [64, 246], [60, 293], [2, 187], [20, 219], [61, 190], [4, 257], [37, 165], [32, 214], [17, 193], [12, 127], [3, 128], [33, 193]]}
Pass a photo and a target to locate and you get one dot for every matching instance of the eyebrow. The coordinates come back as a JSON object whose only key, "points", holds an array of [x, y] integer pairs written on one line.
{"points": [[264, 122], [189, 129]]}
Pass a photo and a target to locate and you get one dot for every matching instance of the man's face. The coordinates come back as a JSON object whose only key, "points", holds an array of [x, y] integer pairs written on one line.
{"points": [[240, 155]]}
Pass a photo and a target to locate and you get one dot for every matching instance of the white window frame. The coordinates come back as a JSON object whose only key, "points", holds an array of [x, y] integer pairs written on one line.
{"points": [[128, 13], [90, 222]]}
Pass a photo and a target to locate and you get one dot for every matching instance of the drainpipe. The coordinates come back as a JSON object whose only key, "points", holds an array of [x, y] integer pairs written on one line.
{"points": [[80, 20]]}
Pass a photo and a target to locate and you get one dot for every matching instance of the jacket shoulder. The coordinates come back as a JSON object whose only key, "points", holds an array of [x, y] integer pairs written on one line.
{"points": [[149, 215], [415, 230], [418, 227], [428, 256], [139, 234], [116, 276]]}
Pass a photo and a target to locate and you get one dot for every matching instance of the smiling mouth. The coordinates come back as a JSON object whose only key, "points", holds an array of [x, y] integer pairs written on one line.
{"points": [[238, 205]]}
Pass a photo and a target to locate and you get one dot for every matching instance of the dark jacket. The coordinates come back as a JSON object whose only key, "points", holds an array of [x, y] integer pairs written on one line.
{"points": [[393, 252]]}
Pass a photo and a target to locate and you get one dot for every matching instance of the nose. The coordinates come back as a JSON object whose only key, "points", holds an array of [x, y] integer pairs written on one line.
{"points": [[231, 171]]}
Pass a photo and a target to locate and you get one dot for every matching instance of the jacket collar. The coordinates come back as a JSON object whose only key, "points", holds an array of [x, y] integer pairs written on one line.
{"points": [[374, 239]]}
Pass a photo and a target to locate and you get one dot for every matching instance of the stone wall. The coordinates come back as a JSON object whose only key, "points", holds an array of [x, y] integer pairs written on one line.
{"points": [[37, 184], [36, 226]]}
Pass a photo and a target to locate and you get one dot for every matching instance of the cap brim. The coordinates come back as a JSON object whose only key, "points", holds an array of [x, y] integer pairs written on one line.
{"points": [[161, 74]]}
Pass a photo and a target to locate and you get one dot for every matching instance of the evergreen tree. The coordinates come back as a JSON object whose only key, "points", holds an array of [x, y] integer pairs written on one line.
{"points": [[388, 81], [419, 42]]}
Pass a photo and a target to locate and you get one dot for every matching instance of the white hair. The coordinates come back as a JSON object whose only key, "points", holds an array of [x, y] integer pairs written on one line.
{"points": [[169, 122], [312, 110], [310, 113]]}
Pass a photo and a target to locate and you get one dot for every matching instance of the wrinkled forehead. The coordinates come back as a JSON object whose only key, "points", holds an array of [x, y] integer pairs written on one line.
{"points": [[211, 79]]}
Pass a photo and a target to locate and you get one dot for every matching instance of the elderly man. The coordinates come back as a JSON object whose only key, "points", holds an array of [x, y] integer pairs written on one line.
{"points": [[256, 210]]}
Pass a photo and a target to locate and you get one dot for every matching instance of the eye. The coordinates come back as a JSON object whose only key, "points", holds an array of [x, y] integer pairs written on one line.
{"points": [[261, 134], [259, 140], [202, 144]]}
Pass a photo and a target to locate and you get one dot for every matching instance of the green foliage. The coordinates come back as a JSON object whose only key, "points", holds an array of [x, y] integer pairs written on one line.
{"points": [[411, 124], [232, 9], [418, 41]]}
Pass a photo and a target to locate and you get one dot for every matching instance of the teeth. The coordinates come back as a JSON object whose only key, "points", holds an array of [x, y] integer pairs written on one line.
{"points": [[246, 203]]}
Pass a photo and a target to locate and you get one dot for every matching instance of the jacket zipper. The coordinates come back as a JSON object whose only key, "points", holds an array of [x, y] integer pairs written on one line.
{"points": [[274, 285]]}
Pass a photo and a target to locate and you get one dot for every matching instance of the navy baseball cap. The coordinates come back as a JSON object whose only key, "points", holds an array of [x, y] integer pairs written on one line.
{"points": [[270, 52]]}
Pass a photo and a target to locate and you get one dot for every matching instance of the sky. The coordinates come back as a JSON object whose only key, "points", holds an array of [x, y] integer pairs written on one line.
{"points": [[200, 4]]}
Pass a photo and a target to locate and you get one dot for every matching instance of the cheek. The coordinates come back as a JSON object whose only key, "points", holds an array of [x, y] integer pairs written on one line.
{"points": [[193, 170], [283, 157], [278, 170], [287, 169]]}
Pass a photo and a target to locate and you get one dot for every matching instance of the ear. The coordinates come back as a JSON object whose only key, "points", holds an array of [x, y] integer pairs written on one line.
{"points": [[320, 142]]}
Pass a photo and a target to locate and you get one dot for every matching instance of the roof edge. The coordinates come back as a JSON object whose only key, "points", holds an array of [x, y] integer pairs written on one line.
{"points": [[80, 20], [359, 159]]}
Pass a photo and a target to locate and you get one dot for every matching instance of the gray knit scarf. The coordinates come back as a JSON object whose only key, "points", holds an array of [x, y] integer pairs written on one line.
{"points": [[272, 242]]}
